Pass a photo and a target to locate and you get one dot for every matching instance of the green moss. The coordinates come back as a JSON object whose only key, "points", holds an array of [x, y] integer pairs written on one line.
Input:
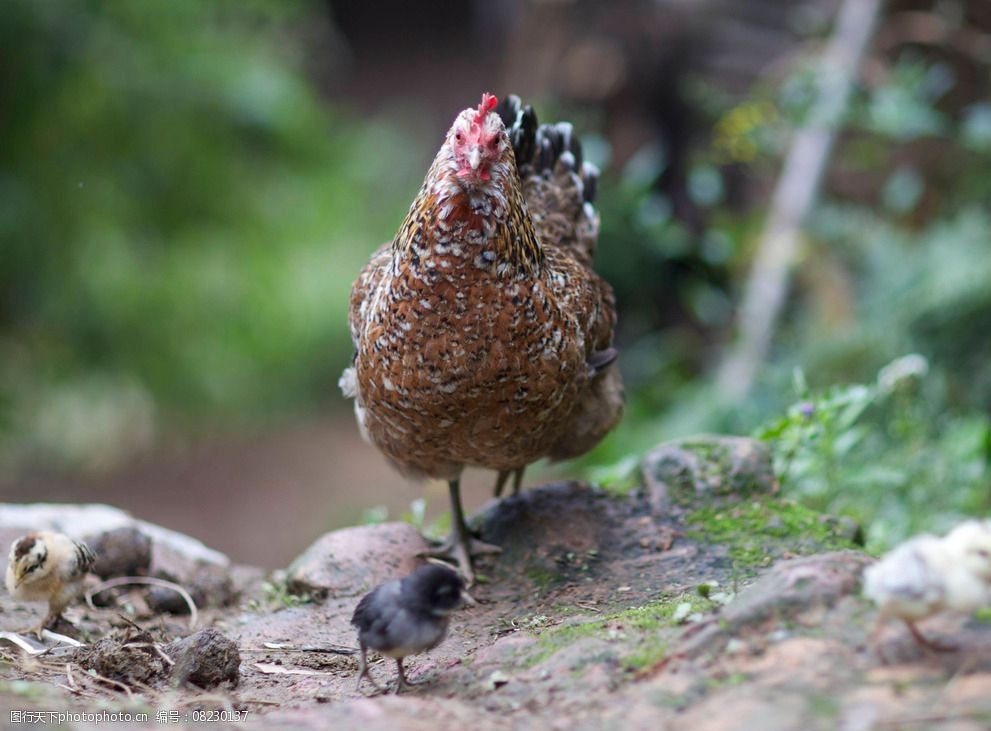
{"points": [[542, 577], [646, 656], [823, 706], [758, 531], [983, 616], [726, 681], [643, 625], [276, 595]]}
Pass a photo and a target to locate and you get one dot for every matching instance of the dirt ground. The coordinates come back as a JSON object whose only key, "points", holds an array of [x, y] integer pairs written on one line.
{"points": [[602, 612]]}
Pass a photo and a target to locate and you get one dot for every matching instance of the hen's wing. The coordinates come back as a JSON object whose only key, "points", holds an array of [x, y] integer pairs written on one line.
{"points": [[364, 287], [361, 293], [559, 188]]}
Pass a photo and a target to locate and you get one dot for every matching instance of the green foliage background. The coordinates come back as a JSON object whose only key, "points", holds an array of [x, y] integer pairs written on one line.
{"points": [[181, 220], [182, 214], [895, 270]]}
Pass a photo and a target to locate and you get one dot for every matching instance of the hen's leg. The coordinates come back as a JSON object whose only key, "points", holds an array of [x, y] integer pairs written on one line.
{"points": [[460, 546], [501, 482], [504, 475], [518, 480]]}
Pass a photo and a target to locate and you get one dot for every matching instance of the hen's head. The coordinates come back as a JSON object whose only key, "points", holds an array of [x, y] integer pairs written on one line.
{"points": [[477, 142]]}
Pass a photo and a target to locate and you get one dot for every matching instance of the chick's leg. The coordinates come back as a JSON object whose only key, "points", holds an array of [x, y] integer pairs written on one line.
{"points": [[401, 684], [925, 642], [460, 545], [363, 670], [39, 629], [55, 608]]}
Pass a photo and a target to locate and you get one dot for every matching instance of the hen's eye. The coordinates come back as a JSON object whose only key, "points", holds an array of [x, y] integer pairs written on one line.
{"points": [[459, 137]]}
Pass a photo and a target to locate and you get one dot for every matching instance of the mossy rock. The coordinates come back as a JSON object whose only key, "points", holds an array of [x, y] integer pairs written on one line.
{"points": [[759, 531], [684, 470]]}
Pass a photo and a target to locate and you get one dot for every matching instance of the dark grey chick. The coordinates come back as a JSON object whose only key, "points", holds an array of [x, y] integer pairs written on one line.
{"points": [[406, 616]]}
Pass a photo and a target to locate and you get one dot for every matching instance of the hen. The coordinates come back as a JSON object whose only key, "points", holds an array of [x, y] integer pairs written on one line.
{"points": [[482, 335]]}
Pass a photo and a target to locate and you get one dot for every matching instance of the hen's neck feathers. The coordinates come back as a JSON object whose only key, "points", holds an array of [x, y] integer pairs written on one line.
{"points": [[487, 224]]}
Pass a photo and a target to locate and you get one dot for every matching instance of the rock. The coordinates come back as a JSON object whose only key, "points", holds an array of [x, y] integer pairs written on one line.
{"points": [[351, 561], [163, 600], [560, 512], [80, 521], [384, 713], [571, 519], [124, 551], [705, 466], [209, 586], [846, 528], [205, 659], [797, 584], [788, 589]]}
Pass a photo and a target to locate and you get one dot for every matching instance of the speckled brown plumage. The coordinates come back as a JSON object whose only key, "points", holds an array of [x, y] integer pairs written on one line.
{"points": [[482, 334]]}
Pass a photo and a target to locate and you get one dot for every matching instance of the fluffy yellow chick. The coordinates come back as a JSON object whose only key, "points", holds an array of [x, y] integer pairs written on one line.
{"points": [[927, 575], [50, 567]]}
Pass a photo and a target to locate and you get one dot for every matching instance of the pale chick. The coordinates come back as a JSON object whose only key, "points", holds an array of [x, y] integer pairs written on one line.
{"points": [[46, 566], [927, 575]]}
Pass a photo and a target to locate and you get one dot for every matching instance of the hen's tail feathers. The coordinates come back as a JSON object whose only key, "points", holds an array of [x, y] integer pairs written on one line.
{"points": [[538, 147], [558, 184]]}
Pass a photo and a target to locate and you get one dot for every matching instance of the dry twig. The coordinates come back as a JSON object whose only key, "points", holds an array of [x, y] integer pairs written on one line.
{"points": [[150, 581]]}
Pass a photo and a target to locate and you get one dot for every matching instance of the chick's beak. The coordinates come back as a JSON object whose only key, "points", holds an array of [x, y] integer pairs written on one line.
{"points": [[467, 600], [18, 575]]}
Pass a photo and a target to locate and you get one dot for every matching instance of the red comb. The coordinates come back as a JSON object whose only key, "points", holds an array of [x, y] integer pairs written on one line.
{"points": [[488, 104]]}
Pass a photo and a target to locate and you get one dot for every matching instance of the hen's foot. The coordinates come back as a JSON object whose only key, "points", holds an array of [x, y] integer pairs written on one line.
{"points": [[460, 551]]}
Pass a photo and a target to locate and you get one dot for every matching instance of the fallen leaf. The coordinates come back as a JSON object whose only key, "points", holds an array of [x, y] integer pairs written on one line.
{"points": [[270, 668]]}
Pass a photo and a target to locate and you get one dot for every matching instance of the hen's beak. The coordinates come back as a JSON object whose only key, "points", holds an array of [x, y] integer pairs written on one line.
{"points": [[475, 158]]}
